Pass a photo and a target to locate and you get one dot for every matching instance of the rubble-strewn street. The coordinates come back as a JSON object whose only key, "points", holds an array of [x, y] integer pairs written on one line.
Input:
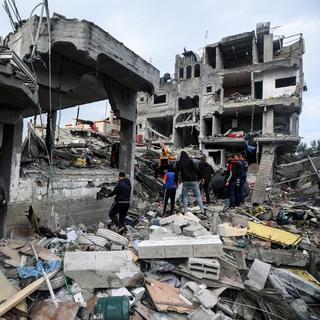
{"points": [[250, 262], [192, 197]]}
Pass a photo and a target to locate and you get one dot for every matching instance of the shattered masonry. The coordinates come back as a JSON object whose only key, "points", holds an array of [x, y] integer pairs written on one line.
{"points": [[88, 67], [247, 85]]}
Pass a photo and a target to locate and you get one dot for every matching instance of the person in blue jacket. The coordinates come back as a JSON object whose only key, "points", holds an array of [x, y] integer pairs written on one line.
{"points": [[170, 187]]}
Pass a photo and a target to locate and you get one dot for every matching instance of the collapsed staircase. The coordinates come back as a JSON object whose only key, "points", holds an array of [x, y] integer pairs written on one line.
{"points": [[264, 174]]}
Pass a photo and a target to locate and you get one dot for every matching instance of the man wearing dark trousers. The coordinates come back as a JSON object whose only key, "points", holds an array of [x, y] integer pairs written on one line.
{"points": [[170, 183], [122, 193], [233, 181], [244, 175], [206, 172]]}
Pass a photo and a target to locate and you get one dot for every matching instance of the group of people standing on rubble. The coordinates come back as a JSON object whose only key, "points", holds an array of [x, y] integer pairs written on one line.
{"points": [[195, 177]]}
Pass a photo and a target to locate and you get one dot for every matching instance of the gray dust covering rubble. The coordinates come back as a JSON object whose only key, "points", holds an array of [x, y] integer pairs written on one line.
{"points": [[61, 258]]}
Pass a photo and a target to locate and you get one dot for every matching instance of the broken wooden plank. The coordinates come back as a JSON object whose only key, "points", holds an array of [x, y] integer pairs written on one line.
{"points": [[8, 290], [22, 294]]}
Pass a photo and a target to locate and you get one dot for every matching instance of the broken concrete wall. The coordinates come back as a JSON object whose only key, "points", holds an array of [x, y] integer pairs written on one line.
{"points": [[269, 78], [72, 197], [157, 114], [87, 65]]}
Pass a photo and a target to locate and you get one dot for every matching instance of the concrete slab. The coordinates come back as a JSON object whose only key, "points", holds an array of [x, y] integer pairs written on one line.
{"points": [[181, 248], [100, 269], [258, 274], [278, 256]]}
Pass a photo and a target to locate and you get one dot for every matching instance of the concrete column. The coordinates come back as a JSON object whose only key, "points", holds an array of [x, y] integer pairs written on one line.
{"points": [[255, 56], [267, 47], [51, 132], [268, 121], [10, 157], [294, 124], [252, 85], [216, 125], [219, 59], [123, 102], [127, 145], [16, 156]]}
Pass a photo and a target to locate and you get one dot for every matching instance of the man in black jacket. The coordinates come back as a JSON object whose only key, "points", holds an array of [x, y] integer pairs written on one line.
{"points": [[122, 193], [189, 174], [206, 172], [233, 181]]}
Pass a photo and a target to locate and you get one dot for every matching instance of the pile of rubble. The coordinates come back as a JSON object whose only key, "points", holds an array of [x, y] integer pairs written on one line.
{"points": [[74, 147], [248, 263]]}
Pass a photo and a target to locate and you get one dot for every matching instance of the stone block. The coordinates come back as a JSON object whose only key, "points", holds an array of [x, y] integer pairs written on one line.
{"points": [[176, 229], [181, 248], [101, 269], [167, 220], [190, 216], [181, 221], [207, 298], [195, 231], [138, 293]]}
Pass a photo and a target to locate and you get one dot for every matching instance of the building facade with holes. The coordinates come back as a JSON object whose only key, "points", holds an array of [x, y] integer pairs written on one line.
{"points": [[244, 92], [245, 88]]}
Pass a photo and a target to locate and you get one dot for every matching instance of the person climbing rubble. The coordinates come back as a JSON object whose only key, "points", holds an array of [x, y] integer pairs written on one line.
{"points": [[164, 161], [170, 186], [122, 193], [189, 174]]}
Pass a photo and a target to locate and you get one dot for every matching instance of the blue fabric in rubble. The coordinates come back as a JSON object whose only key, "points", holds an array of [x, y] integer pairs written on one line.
{"points": [[35, 271]]}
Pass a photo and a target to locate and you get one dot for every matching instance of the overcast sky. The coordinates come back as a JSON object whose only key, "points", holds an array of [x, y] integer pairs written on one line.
{"points": [[158, 30]]}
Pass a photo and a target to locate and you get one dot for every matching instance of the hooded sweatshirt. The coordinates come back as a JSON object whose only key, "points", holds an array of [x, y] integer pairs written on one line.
{"points": [[206, 170], [122, 191], [187, 168]]}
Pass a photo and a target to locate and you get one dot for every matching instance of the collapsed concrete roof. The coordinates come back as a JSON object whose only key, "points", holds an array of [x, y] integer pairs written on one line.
{"points": [[17, 85], [84, 60]]}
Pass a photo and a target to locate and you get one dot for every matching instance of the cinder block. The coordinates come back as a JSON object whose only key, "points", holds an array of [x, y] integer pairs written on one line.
{"points": [[205, 268], [210, 246]]}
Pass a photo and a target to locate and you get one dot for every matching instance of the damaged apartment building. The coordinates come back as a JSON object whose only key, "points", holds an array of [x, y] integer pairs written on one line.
{"points": [[245, 89]]}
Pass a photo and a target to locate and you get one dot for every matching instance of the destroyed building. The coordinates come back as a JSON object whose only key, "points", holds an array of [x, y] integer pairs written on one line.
{"points": [[47, 65], [246, 87]]}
